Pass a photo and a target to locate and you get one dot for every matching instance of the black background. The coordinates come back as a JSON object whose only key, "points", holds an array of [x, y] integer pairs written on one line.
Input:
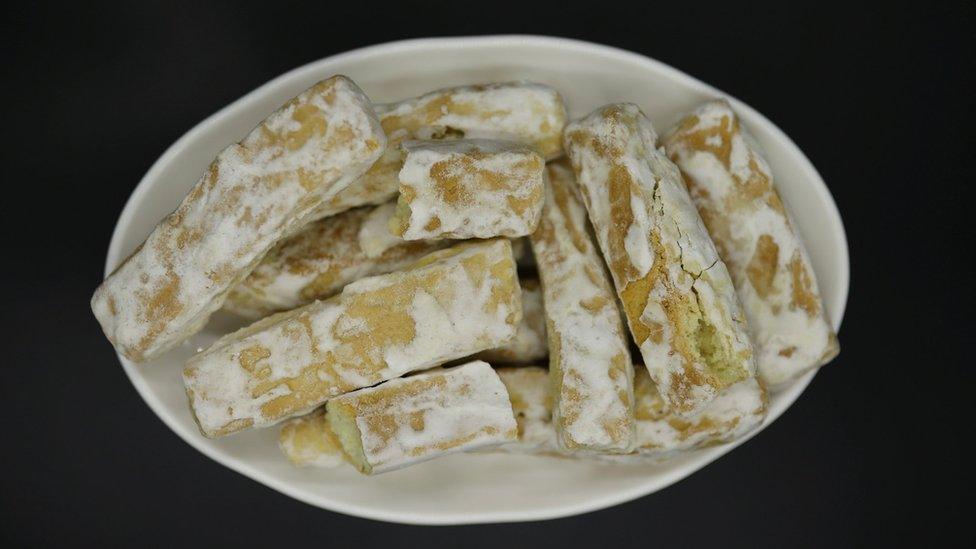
{"points": [[871, 454]]}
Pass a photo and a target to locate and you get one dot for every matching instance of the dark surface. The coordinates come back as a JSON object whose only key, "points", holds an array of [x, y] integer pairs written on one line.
{"points": [[871, 454]]}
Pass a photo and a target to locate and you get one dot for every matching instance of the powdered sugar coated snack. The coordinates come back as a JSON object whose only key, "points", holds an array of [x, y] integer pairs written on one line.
{"points": [[421, 417], [592, 374], [376, 247], [661, 434], [677, 294], [733, 188], [736, 411], [253, 194], [470, 188]]}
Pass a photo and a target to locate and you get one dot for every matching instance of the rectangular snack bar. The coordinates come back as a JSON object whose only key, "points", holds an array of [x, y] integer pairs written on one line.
{"points": [[469, 188], [318, 262], [733, 188], [524, 112], [521, 111], [421, 417], [309, 440], [679, 300], [449, 304], [253, 194], [592, 374]]}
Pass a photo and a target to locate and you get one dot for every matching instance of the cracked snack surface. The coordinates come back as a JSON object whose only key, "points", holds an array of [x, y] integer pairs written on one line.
{"points": [[449, 304], [678, 297], [733, 188], [255, 193]]}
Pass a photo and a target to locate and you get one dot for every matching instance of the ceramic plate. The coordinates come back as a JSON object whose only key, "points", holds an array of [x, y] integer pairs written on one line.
{"points": [[465, 488]]}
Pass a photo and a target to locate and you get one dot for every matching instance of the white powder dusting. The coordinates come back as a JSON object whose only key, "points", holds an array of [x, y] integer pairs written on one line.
{"points": [[330, 250], [251, 197], [524, 112], [529, 344], [593, 366], [789, 340], [448, 327], [431, 415], [659, 205], [661, 435], [734, 412], [471, 188], [325, 338]]}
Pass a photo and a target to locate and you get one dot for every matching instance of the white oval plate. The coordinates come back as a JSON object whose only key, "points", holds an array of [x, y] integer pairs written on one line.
{"points": [[465, 488]]}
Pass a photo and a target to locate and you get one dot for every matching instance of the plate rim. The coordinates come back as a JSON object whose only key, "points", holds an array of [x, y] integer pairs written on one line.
{"points": [[791, 392]]}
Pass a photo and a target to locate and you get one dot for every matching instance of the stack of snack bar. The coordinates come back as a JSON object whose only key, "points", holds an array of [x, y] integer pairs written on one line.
{"points": [[409, 267]]}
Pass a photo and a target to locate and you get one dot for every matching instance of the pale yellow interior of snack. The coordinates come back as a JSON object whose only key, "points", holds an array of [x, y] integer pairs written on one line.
{"points": [[717, 354], [342, 420], [308, 438], [401, 218], [695, 338]]}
